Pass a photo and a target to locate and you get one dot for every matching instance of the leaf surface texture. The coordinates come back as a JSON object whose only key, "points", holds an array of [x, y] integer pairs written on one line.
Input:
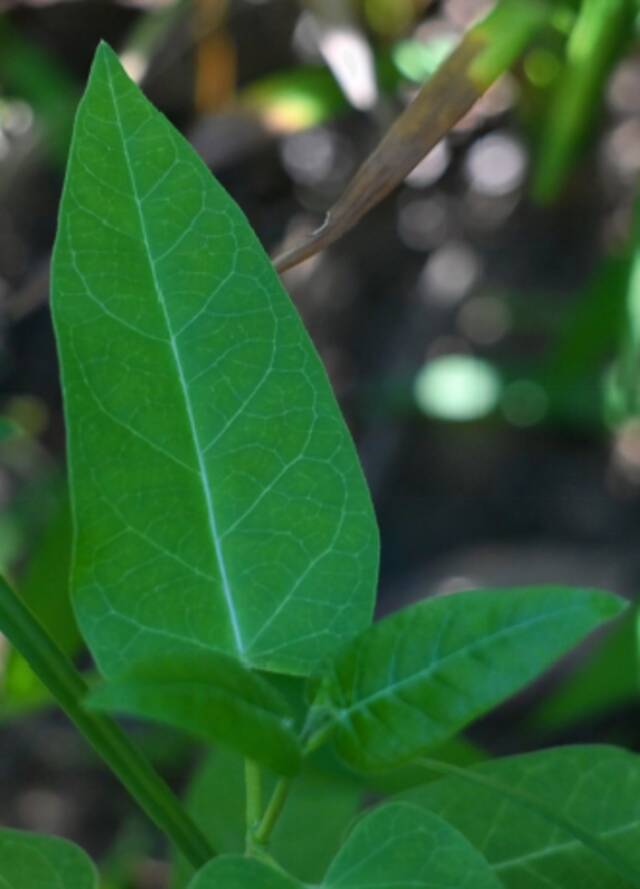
{"points": [[217, 497]]}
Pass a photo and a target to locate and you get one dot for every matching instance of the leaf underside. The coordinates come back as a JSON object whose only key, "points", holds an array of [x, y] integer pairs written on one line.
{"points": [[595, 787], [213, 697], [395, 846], [217, 497], [418, 677]]}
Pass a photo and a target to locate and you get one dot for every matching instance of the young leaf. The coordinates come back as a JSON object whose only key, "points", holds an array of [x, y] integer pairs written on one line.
{"points": [[234, 872], [28, 860], [419, 676], [597, 788], [217, 495], [394, 845], [212, 696], [318, 811]]}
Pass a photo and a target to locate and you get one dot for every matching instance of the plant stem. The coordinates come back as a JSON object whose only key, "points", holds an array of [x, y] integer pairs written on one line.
{"points": [[601, 29], [274, 808], [253, 785], [319, 737], [65, 683]]}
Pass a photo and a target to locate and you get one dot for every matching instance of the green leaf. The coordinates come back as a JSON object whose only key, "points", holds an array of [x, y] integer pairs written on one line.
{"points": [[217, 496], [28, 860], [212, 696], [456, 751], [419, 676], [597, 788], [318, 811], [396, 846], [234, 872]]}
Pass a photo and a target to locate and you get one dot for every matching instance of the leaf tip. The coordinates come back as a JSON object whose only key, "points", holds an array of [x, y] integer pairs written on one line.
{"points": [[104, 50], [604, 606], [106, 57]]}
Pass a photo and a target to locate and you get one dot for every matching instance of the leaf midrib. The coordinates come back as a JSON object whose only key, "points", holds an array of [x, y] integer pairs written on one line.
{"points": [[569, 845], [198, 450]]}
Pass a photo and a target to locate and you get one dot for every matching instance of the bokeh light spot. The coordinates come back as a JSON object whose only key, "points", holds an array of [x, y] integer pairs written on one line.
{"points": [[457, 387]]}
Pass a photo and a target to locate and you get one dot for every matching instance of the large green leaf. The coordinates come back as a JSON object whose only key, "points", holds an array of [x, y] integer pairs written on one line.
{"points": [[28, 860], [217, 496], [318, 811], [597, 788], [234, 872], [396, 846], [212, 696], [419, 676]]}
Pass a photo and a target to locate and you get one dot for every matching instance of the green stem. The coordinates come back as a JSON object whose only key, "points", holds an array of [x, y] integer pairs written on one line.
{"points": [[66, 684], [319, 737], [548, 813], [275, 807], [601, 29], [253, 785]]}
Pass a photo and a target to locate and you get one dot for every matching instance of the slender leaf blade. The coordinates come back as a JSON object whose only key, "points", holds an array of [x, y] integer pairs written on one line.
{"points": [[28, 860], [602, 29], [212, 696], [395, 845], [217, 497], [419, 676], [597, 788]]}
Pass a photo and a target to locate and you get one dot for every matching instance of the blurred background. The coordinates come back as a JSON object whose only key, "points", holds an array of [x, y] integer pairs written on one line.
{"points": [[481, 327]]}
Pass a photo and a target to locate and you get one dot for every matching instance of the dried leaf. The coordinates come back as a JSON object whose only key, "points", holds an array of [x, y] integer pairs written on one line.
{"points": [[485, 52]]}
